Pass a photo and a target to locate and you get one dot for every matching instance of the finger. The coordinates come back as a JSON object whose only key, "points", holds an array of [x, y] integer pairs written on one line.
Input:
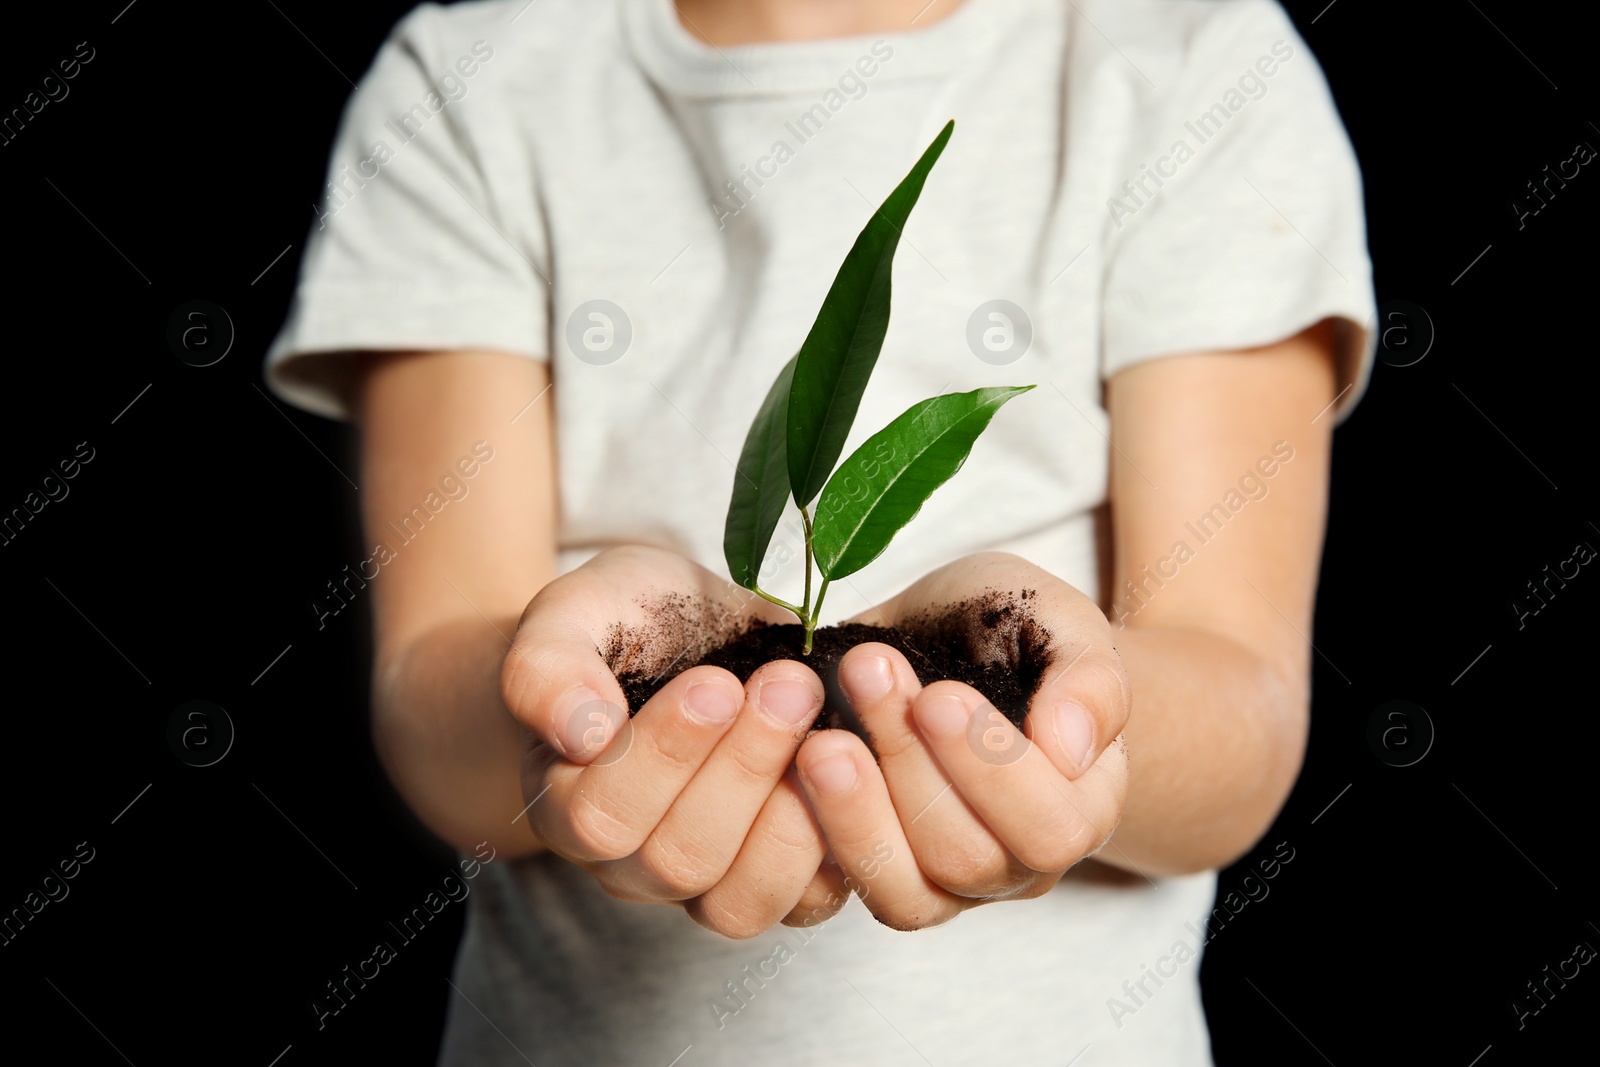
{"points": [[607, 810], [949, 841], [554, 681], [823, 897], [696, 841], [1047, 821], [769, 878], [1083, 701], [852, 806], [1081, 706]]}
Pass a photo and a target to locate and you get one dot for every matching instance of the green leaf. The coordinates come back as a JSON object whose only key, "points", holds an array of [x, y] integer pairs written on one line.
{"points": [[842, 347], [760, 484], [885, 482]]}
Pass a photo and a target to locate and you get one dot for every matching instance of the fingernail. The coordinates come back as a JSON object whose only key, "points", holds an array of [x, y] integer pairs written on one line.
{"points": [[832, 775], [944, 716], [787, 700], [1075, 732], [711, 703], [866, 678]]}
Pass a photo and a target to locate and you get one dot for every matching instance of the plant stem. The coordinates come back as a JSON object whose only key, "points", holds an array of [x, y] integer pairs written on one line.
{"points": [[811, 623], [797, 609], [805, 518], [805, 611]]}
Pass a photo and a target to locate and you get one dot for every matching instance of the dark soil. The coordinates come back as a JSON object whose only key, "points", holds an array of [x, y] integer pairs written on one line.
{"points": [[991, 642]]}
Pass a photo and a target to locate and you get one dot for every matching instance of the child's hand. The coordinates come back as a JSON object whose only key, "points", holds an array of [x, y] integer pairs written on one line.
{"points": [[688, 802], [982, 813]]}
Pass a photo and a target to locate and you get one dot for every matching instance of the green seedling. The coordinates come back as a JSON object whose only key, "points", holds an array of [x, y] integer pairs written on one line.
{"points": [[793, 447]]}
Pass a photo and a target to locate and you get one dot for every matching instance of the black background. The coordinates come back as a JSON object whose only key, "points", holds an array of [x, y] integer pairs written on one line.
{"points": [[181, 566]]}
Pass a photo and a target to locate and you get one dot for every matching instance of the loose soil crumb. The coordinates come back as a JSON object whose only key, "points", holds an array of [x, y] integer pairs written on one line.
{"points": [[681, 629], [991, 641]]}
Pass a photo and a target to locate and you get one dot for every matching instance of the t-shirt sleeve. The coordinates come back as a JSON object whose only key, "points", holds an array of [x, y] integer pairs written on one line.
{"points": [[1242, 222], [427, 236]]}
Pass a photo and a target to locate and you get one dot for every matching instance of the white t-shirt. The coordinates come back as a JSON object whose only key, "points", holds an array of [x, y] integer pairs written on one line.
{"points": [[584, 182]]}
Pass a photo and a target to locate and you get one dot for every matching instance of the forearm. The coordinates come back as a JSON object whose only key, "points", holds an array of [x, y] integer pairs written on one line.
{"points": [[449, 602], [1218, 667], [1215, 742], [444, 735]]}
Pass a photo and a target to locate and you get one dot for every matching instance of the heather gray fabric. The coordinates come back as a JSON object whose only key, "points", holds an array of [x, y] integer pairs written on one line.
{"points": [[1135, 179]]}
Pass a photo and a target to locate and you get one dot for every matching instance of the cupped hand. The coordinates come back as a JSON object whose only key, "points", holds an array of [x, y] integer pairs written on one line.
{"points": [[960, 808], [693, 800]]}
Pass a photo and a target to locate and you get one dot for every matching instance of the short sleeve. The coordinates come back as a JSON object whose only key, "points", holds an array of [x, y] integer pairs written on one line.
{"points": [[428, 236], [1243, 223]]}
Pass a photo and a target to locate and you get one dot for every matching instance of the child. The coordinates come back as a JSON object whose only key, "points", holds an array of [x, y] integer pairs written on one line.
{"points": [[565, 248]]}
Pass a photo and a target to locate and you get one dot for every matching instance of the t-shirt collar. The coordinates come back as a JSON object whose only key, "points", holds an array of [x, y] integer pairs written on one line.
{"points": [[684, 65]]}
